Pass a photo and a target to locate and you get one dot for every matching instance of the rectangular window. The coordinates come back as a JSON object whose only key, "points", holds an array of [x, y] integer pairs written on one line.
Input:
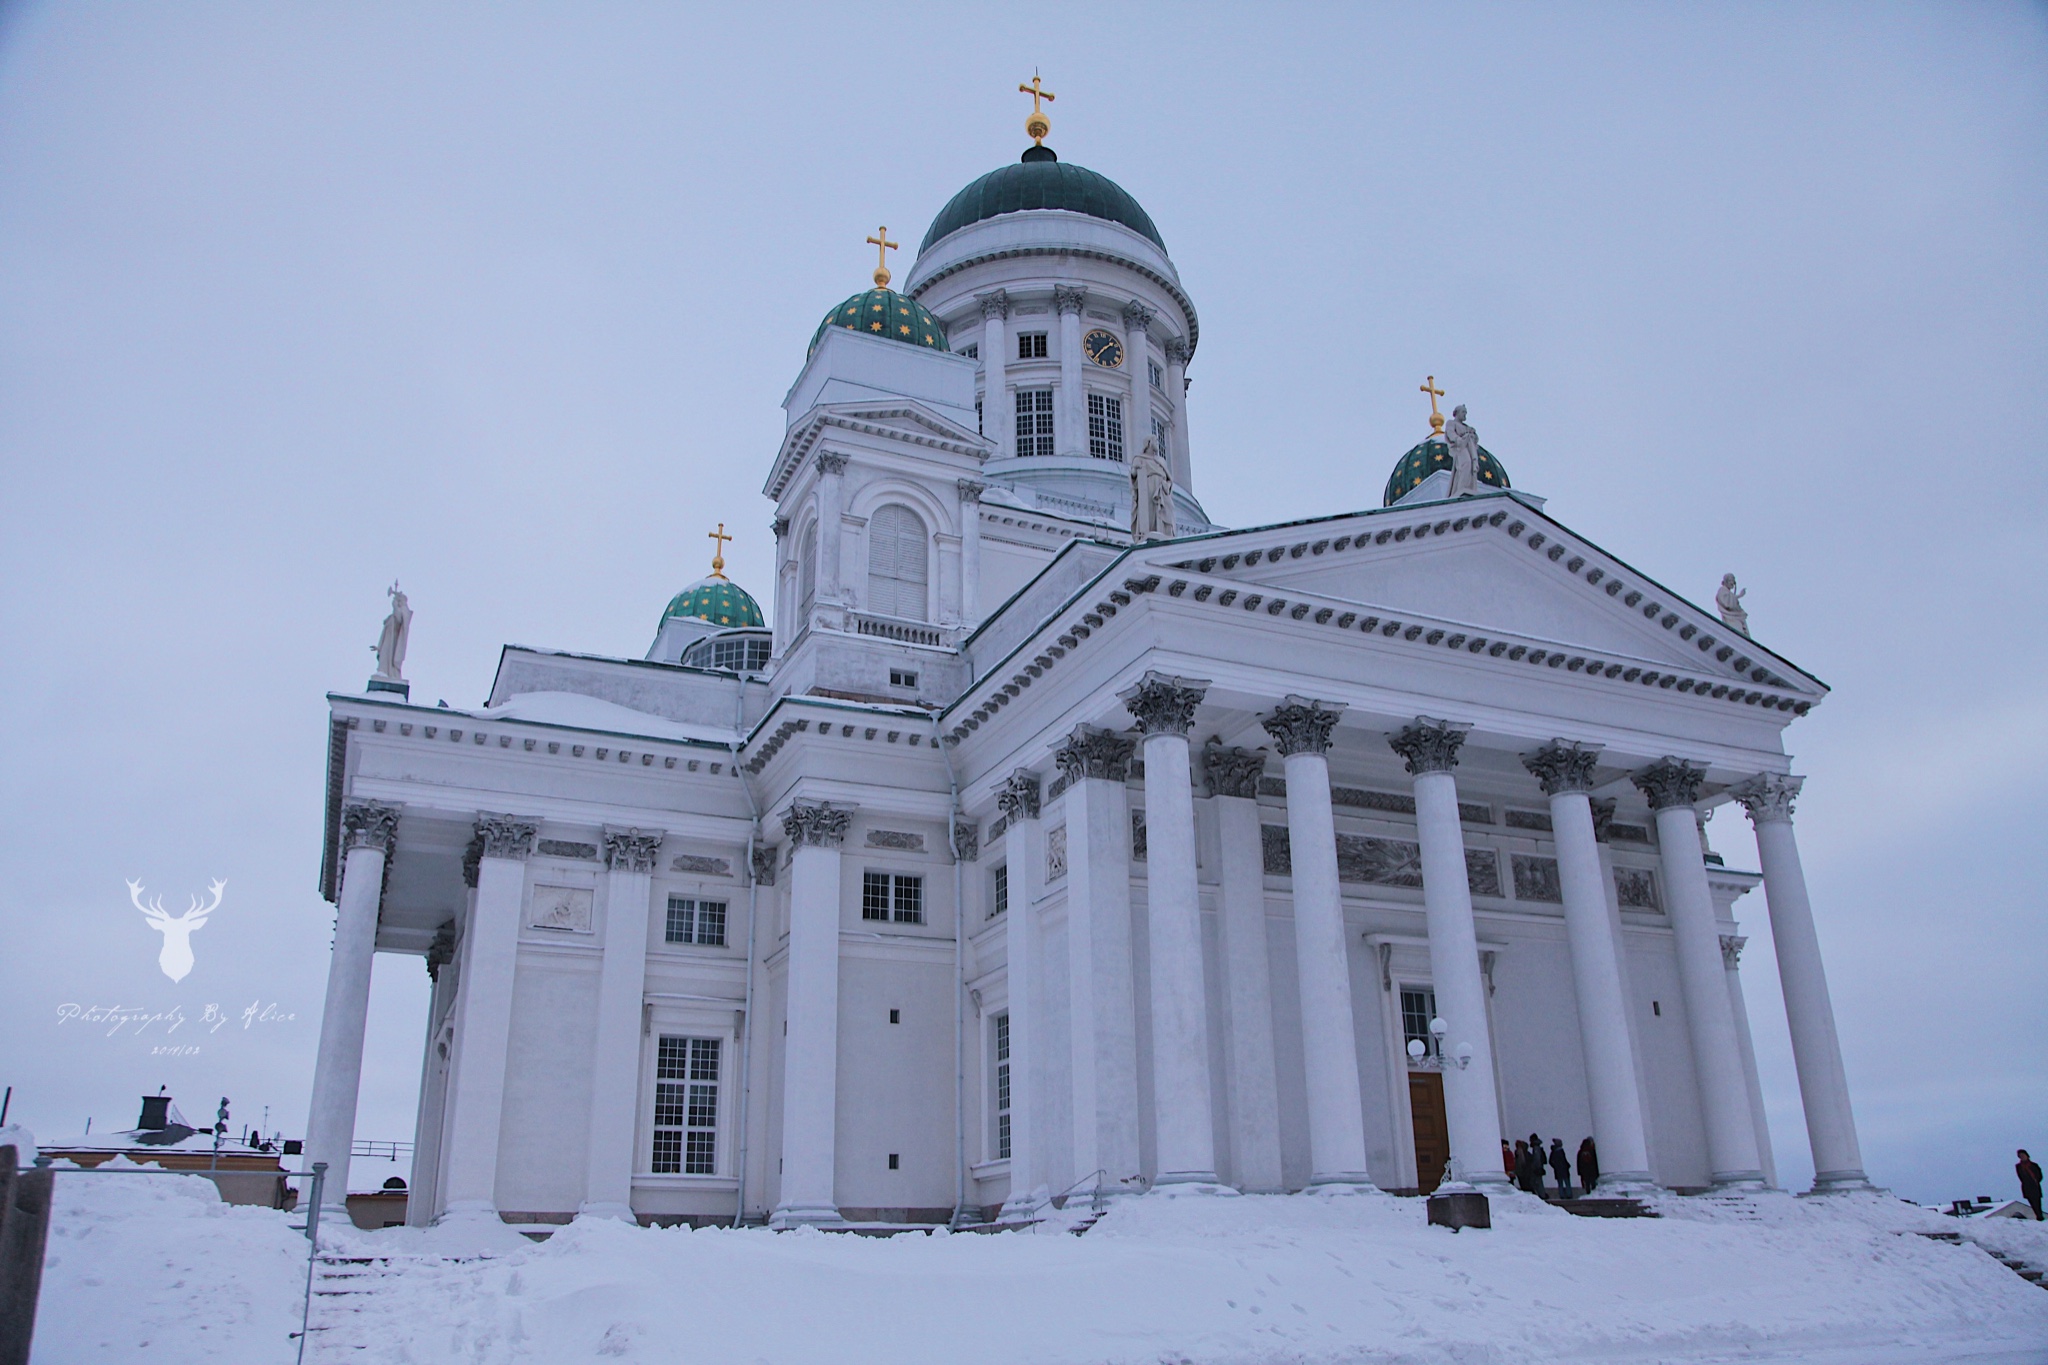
{"points": [[977, 418], [1159, 433], [1002, 1023], [1105, 427], [694, 921], [902, 677], [1158, 375], [1030, 345], [1418, 1007], [972, 352], [686, 1106], [891, 898], [1034, 422], [999, 904]]}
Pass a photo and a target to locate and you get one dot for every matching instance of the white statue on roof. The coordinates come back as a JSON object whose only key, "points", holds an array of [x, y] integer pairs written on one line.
{"points": [[1729, 600], [1151, 495], [1464, 444], [390, 646]]}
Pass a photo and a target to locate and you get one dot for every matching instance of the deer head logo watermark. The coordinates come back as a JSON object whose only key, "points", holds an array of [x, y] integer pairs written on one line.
{"points": [[176, 957]]}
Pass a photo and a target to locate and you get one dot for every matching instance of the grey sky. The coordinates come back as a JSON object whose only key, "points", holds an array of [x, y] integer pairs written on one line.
{"points": [[294, 300]]}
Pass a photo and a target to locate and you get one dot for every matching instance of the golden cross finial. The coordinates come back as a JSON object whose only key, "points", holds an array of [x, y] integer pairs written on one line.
{"points": [[1038, 125], [1436, 419], [718, 539], [883, 246]]}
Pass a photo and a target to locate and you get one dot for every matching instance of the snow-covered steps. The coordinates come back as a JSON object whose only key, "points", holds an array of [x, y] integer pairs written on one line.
{"points": [[1606, 1208]]}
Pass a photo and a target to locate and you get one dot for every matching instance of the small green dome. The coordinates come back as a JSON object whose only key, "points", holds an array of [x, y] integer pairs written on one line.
{"points": [[1432, 455], [885, 313], [717, 600], [1042, 181]]}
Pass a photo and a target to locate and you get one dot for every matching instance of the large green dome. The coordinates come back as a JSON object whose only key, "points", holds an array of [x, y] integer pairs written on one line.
{"points": [[885, 313], [1432, 455], [1042, 181], [718, 600]]}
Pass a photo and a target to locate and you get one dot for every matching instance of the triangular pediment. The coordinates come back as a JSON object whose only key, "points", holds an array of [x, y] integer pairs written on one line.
{"points": [[1491, 566], [900, 420]]}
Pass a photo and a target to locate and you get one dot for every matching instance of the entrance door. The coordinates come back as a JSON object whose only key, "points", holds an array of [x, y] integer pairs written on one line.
{"points": [[1432, 1130]]}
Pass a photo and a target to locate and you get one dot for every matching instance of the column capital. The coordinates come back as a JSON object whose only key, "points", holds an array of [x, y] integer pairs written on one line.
{"points": [[1731, 950], [1302, 725], [369, 824], [995, 304], [1137, 317], [831, 462], [1176, 352], [970, 490], [1670, 782], [820, 826], [1768, 796], [1233, 772], [631, 850], [1560, 766], [1069, 298], [1018, 798], [1603, 816], [780, 526], [1429, 746], [1092, 751], [504, 836], [1164, 703]]}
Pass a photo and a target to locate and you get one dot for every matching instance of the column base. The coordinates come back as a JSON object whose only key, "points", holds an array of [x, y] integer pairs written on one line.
{"points": [[1739, 1182], [334, 1214], [1625, 1185], [1842, 1182], [469, 1211], [1491, 1180], [1175, 1186], [1341, 1183], [610, 1209], [787, 1216]]}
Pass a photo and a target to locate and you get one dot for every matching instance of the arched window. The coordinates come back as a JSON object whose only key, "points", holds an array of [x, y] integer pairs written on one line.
{"points": [[897, 559], [807, 568]]}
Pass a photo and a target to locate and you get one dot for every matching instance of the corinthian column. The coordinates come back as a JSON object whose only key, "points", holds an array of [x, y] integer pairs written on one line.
{"points": [[831, 515], [1164, 707], [1816, 1050], [998, 418], [483, 1020], [621, 989], [810, 1061], [1102, 1009], [1471, 1107], [1565, 772], [1671, 787], [1138, 370], [1025, 841], [1070, 434], [1251, 1089], [1301, 729], [368, 831], [970, 550], [1177, 421]]}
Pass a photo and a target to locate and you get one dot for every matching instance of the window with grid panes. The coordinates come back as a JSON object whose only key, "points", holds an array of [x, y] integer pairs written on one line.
{"points": [[1105, 427], [1002, 1028], [999, 904], [1158, 375], [892, 897], [695, 921], [686, 1106], [1159, 433], [1034, 422], [1418, 1007], [972, 352], [1030, 345]]}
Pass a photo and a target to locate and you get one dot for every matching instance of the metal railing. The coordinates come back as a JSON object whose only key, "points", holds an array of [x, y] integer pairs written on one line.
{"points": [[390, 1151]]}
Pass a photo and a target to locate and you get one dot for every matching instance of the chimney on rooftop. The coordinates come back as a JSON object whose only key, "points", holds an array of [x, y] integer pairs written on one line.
{"points": [[155, 1112]]}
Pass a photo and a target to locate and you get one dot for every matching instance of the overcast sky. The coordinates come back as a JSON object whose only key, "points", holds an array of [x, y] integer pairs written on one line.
{"points": [[502, 301]]}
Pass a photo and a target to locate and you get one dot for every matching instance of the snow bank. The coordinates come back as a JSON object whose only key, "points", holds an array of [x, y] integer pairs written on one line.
{"points": [[1262, 1280]]}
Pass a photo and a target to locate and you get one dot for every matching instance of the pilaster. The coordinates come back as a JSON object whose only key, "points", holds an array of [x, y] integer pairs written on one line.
{"points": [[630, 856], [810, 1070]]}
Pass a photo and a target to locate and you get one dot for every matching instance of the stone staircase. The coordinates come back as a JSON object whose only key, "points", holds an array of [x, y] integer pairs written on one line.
{"points": [[337, 1326], [2017, 1266], [1606, 1208]]}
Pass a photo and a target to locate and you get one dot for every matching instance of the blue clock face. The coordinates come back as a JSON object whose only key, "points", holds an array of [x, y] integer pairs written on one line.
{"points": [[1102, 348]]}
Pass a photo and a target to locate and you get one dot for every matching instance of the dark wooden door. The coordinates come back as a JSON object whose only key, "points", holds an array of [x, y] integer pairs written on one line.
{"points": [[1432, 1131]]}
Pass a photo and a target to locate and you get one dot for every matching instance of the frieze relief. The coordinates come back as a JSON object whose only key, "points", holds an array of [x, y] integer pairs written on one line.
{"points": [[565, 848], [764, 865], [704, 866], [1138, 847], [902, 841], [1536, 879], [1373, 861], [1636, 888], [1055, 853], [565, 909]]}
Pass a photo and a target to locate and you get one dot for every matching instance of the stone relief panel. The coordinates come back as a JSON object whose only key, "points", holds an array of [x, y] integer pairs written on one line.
{"points": [[1482, 871], [562, 908], [1380, 862], [703, 866], [897, 839], [563, 848], [1536, 878], [1636, 888], [1528, 819], [1055, 853], [1138, 836]]}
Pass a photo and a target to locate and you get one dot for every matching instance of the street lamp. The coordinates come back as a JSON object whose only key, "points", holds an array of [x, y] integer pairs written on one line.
{"points": [[1430, 1056]]}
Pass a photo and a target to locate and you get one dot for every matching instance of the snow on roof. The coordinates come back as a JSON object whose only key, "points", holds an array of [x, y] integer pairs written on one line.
{"points": [[592, 713]]}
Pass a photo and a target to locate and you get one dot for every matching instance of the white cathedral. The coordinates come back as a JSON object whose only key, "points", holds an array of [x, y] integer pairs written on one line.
{"points": [[1053, 838]]}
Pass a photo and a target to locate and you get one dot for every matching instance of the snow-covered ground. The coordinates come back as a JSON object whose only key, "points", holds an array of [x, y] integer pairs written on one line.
{"points": [[155, 1268]]}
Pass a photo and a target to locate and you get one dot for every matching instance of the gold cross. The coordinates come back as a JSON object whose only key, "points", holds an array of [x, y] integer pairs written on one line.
{"points": [[1038, 125], [718, 538], [883, 246], [1436, 419]]}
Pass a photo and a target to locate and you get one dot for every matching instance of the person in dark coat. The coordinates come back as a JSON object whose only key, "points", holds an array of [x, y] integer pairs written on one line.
{"points": [[1532, 1167], [1520, 1170], [1561, 1168], [2030, 1182], [1589, 1167]]}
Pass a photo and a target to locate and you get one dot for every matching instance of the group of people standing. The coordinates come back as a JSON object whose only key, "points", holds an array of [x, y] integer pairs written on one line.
{"points": [[1525, 1162]]}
